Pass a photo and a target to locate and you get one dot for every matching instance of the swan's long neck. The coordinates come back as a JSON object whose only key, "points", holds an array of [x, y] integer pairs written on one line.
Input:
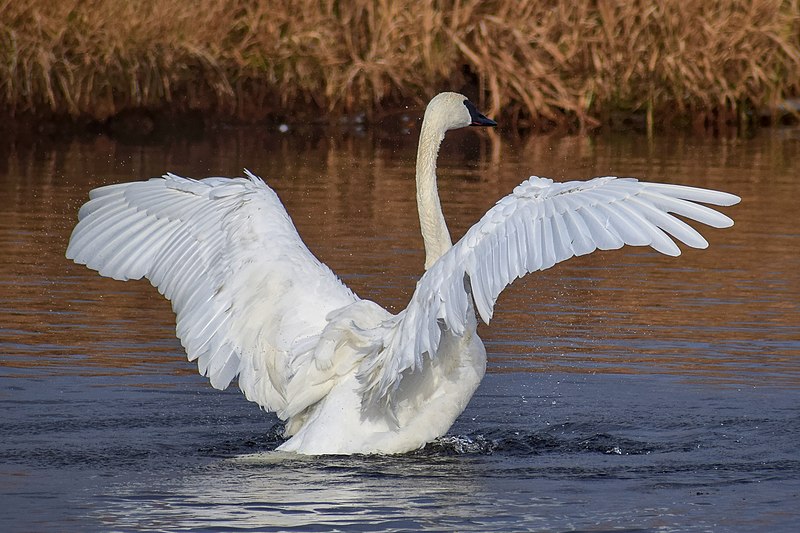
{"points": [[431, 219]]}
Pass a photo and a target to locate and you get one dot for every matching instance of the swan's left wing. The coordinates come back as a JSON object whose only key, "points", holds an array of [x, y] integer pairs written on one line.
{"points": [[248, 295], [540, 224]]}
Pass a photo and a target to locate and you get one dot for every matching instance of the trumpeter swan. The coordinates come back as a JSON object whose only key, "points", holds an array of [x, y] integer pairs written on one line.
{"points": [[344, 374]]}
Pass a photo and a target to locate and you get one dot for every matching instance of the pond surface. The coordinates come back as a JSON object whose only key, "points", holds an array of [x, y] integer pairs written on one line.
{"points": [[626, 390]]}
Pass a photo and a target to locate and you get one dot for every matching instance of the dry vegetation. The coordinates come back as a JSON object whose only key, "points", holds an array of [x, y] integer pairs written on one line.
{"points": [[547, 62]]}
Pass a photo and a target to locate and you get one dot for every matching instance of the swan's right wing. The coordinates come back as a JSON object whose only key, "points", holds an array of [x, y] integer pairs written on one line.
{"points": [[246, 290], [540, 224]]}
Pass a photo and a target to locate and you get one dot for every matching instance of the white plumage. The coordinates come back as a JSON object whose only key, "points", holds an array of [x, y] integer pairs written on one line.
{"points": [[346, 375]]}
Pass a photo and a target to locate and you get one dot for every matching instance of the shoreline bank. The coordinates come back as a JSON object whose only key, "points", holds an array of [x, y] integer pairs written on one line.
{"points": [[538, 66]]}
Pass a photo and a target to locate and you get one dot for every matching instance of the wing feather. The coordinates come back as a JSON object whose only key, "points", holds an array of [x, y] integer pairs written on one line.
{"points": [[686, 208], [228, 257], [540, 224]]}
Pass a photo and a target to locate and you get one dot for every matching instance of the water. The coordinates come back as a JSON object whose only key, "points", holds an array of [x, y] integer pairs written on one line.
{"points": [[626, 391]]}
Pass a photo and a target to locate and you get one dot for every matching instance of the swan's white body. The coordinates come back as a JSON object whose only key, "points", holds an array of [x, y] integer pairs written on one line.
{"points": [[346, 375]]}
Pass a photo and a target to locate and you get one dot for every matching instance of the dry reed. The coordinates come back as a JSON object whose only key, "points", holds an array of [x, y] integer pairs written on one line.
{"points": [[546, 62]]}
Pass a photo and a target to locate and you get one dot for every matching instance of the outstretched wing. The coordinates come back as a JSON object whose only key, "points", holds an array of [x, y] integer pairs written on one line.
{"points": [[540, 224], [244, 287]]}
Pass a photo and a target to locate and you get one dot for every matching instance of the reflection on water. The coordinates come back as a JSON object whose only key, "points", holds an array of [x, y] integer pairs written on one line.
{"points": [[671, 383], [624, 311], [286, 492]]}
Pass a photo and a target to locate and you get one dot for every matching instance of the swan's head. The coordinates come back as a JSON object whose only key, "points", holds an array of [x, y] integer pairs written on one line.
{"points": [[452, 110]]}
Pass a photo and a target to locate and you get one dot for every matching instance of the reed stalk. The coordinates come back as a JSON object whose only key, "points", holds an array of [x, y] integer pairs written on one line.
{"points": [[546, 63]]}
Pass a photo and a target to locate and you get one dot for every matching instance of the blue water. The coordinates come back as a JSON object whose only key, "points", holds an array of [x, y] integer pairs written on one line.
{"points": [[625, 392], [531, 452]]}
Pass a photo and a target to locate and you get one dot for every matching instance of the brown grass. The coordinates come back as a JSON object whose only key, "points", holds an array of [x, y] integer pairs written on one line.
{"points": [[546, 62]]}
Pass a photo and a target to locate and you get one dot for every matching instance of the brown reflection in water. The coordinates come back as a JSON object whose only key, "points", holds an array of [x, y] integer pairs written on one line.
{"points": [[727, 313]]}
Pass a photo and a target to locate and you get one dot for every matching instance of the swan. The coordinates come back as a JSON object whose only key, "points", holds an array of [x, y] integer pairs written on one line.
{"points": [[345, 375]]}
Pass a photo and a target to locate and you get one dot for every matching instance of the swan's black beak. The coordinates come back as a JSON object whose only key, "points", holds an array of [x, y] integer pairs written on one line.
{"points": [[477, 118]]}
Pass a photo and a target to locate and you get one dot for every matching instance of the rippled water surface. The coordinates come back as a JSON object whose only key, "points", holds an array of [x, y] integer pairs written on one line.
{"points": [[626, 390]]}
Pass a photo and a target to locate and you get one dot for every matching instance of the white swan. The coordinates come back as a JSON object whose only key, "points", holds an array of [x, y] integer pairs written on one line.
{"points": [[346, 375]]}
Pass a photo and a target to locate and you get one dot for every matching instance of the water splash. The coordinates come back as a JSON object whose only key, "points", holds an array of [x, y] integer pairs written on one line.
{"points": [[521, 443]]}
